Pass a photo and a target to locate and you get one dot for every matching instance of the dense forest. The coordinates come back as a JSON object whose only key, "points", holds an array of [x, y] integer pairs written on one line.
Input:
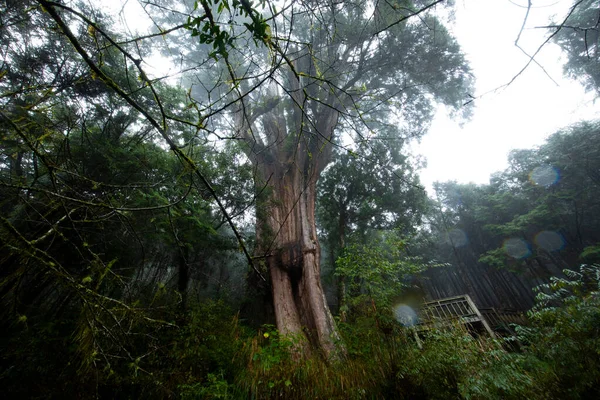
{"points": [[224, 205]]}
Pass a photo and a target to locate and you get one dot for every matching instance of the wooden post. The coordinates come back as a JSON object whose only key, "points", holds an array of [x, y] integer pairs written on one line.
{"points": [[483, 321]]}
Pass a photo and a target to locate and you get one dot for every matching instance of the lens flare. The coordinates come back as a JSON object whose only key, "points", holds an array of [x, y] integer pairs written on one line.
{"points": [[405, 315], [544, 175], [516, 248], [550, 240], [456, 238]]}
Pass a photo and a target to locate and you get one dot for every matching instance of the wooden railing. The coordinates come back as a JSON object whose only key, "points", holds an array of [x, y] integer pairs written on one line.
{"points": [[503, 318], [462, 310], [450, 310]]}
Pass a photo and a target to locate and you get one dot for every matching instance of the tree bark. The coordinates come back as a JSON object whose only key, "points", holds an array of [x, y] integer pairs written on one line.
{"points": [[289, 144], [287, 239]]}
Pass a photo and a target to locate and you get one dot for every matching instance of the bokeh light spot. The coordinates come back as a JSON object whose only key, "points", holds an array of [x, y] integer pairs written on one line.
{"points": [[405, 315], [516, 248], [550, 240], [457, 238], [544, 175]]}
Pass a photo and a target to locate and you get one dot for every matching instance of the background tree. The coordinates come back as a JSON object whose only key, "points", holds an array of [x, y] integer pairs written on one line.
{"points": [[579, 37], [531, 222], [100, 226], [373, 188]]}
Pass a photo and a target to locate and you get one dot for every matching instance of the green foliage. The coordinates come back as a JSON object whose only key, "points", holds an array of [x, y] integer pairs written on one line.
{"points": [[565, 332], [531, 221], [374, 187], [552, 188], [215, 387], [112, 253], [591, 254], [273, 371], [579, 39], [385, 364], [97, 220], [495, 258], [454, 365], [557, 360], [208, 30], [377, 270], [208, 341], [275, 350]]}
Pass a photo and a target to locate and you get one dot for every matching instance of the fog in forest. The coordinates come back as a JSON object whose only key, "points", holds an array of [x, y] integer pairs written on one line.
{"points": [[234, 199]]}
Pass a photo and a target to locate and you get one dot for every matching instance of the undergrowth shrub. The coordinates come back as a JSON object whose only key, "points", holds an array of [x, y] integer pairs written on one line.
{"points": [[565, 333], [389, 365], [212, 355], [212, 387], [454, 365], [275, 370], [209, 341]]}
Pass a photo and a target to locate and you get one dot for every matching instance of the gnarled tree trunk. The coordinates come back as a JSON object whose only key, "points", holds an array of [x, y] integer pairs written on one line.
{"points": [[289, 143], [287, 238]]}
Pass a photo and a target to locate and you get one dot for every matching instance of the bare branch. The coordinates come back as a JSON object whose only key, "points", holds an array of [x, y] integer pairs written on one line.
{"points": [[427, 7]]}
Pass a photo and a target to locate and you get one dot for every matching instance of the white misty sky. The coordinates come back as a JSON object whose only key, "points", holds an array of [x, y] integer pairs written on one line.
{"points": [[519, 116]]}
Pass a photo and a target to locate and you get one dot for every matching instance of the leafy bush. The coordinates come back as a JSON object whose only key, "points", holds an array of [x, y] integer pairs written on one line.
{"points": [[214, 387], [558, 358], [565, 333], [376, 272], [275, 370], [454, 365]]}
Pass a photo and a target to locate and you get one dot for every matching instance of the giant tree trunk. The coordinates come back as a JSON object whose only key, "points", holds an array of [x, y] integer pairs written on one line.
{"points": [[287, 238], [289, 142]]}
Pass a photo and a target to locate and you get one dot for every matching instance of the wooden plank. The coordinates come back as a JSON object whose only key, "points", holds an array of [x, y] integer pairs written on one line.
{"points": [[483, 321]]}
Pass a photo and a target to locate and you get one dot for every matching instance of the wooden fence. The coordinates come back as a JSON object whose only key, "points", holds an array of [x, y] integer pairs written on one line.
{"points": [[462, 310]]}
